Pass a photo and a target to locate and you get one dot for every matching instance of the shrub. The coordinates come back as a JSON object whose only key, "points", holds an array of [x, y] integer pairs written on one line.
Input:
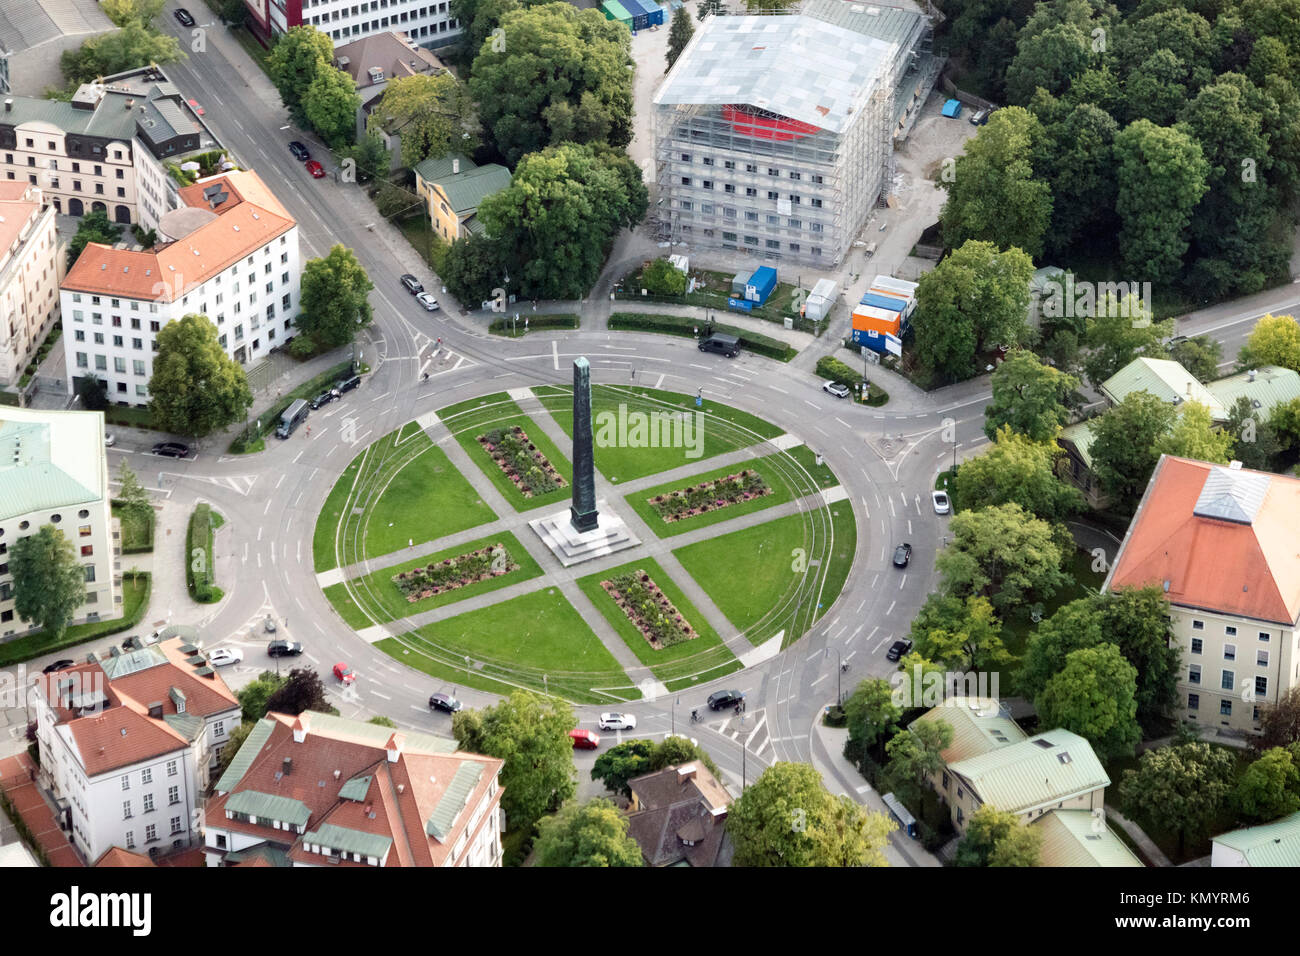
{"points": [[661, 277], [302, 347], [684, 326], [522, 463], [457, 572], [199, 573], [832, 368], [649, 609], [507, 326]]}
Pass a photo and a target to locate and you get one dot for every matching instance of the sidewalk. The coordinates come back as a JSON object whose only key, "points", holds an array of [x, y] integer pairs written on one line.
{"points": [[1149, 849]]}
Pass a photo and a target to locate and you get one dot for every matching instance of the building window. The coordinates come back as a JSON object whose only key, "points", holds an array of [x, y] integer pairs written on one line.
{"points": [[1226, 680], [751, 217], [728, 188], [751, 192], [686, 157], [686, 180], [173, 795], [1225, 708], [90, 574], [130, 839], [151, 833], [126, 781], [87, 550], [1261, 658], [1196, 645], [1229, 652], [816, 203], [773, 172], [772, 244], [1261, 686], [773, 195], [1198, 625], [146, 775], [126, 809], [1193, 701], [148, 803], [1194, 674], [176, 825], [707, 183], [1263, 635], [1230, 631], [708, 160]]}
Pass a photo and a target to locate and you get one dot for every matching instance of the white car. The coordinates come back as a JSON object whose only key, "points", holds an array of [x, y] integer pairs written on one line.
{"points": [[221, 657], [838, 389], [109, 439], [617, 722], [428, 301], [941, 503]]}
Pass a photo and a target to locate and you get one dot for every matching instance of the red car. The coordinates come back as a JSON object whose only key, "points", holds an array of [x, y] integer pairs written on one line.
{"points": [[316, 169], [194, 105], [344, 673], [584, 739]]}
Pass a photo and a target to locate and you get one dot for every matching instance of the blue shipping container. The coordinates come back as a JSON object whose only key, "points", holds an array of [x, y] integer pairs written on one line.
{"points": [[761, 284], [644, 13], [740, 305], [878, 301], [871, 339]]}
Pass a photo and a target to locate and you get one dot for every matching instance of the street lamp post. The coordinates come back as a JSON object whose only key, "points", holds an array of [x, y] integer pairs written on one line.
{"points": [[839, 670]]}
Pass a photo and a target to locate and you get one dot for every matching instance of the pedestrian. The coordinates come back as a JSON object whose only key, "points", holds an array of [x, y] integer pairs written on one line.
{"points": [[308, 429]]}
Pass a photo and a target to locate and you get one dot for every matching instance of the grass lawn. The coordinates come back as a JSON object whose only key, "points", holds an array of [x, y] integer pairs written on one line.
{"points": [[537, 640], [468, 420], [777, 470], [137, 530], [384, 602], [135, 601], [1018, 624], [706, 657], [724, 428], [408, 490], [845, 528]]}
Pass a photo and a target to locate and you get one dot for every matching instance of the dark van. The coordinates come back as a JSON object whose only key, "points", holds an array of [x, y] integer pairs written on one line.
{"points": [[293, 416], [348, 384], [721, 343]]}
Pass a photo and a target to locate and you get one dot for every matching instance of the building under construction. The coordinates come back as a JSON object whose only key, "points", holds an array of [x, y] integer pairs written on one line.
{"points": [[774, 134]]}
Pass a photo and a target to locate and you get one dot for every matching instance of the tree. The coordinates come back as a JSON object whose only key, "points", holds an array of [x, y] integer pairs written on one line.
{"points": [[871, 711], [1279, 723], [93, 227], [1255, 442], [480, 18], [1200, 355], [1123, 444], [1193, 435], [1003, 553], [996, 837], [531, 734], [1179, 788], [135, 45], [1118, 331], [369, 155], [1136, 621], [330, 105], [473, 267], [1017, 470], [234, 13], [135, 500], [1029, 397], [916, 755], [1073, 626], [993, 195], [1094, 696], [617, 765], [333, 298], [1160, 178], [679, 34], [787, 818], [302, 690], [49, 582], [255, 696], [1275, 340], [1083, 187], [379, 720], [589, 834], [661, 277], [708, 8], [122, 12], [558, 75], [674, 750], [392, 200], [433, 114], [1268, 787], [300, 55], [234, 740], [91, 392], [1055, 46], [196, 387], [960, 635]]}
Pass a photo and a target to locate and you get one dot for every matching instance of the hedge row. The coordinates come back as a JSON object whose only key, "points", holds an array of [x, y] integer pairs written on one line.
{"points": [[508, 326], [147, 545], [33, 645], [685, 326], [198, 540], [250, 439], [832, 368]]}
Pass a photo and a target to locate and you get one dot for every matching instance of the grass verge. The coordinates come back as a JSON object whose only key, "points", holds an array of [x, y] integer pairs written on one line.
{"points": [[135, 600]]}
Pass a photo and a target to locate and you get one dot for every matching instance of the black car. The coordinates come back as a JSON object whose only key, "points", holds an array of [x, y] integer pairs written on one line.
{"points": [[898, 649], [171, 449], [725, 698], [412, 284], [445, 703], [58, 666], [183, 16], [722, 344], [348, 384], [324, 398], [280, 648], [902, 555], [299, 151]]}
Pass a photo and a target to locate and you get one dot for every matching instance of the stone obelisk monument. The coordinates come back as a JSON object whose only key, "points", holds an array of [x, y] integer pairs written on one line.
{"points": [[582, 513]]}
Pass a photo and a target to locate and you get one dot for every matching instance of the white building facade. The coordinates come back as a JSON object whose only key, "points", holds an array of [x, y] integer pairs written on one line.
{"points": [[31, 266]]}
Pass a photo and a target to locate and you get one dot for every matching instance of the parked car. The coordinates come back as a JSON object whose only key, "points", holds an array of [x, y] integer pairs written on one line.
{"points": [[109, 439], [345, 674], [941, 503], [269, 624], [584, 739], [428, 301], [58, 666], [171, 449], [1176, 341], [838, 389], [316, 169], [194, 105], [617, 722], [412, 284], [898, 649], [725, 698], [722, 344], [223, 656], [347, 384], [183, 17], [979, 117], [902, 555], [444, 702], [324, 398], [282, 648], [299, 151]]}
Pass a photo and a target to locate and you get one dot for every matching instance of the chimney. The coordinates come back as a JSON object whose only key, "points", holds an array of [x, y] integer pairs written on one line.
{"points": [[130, 103], [394, 747], [300, 729], [455, 164], [9, 105], [1250, 376], [288, 765], [686, 773], [1234, 466]]}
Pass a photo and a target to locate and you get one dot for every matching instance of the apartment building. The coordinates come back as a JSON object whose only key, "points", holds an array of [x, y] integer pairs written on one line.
{"points": [[54, 470], [1220, 541], [31, 267], [230, 252], [318, 790], [428, 23], [128, 742]]}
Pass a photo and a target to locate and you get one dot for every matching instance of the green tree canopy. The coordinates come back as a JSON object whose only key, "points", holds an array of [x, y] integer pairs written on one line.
{"points": [[1275, 340], [301, 55], [330, 105], [1004, 554], [135, 45], [1269, 788], [1255, 442], [588, 834], [1180, 788], [1016, 470], [334, 298], [301, 690], [871, 711], [1029, 397], [619, 764], [959, 634], [995, 837], [1073, 626], [916, 754], [49, 581], [1123, 445], [1279, 723], [1193, 435], [196, 387], [135, 500], [473, 267], [1200, 355], [679, 34], [1118, 331], [1094, 696], [93, 227], [433, 114], [255, 696], [123, 12]]}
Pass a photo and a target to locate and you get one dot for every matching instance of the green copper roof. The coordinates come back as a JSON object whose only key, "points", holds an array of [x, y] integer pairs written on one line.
{"points": [[432, 170], [1080, 436], [467, 188], [252, 745], [187, 725], [454, 799], [1274, 844], [1163, 378], [272, 854], [269, 806], [1078, 838], [356, 788], [349, 841], [1046, 768], [1270, 387]]}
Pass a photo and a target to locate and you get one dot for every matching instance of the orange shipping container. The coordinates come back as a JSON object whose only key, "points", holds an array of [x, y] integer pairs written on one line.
{"points": [[869, 319]]}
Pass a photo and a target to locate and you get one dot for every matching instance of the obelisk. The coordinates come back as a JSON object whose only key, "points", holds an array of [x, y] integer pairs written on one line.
{"points": [[582, 513]]}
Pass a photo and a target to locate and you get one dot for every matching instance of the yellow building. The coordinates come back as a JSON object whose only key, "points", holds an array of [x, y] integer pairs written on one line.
{"points": [[31, 267], [452, 187]]}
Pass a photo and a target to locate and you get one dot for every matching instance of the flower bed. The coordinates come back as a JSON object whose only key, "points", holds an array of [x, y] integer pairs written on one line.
{"points": [[710, 495], [649, 609], [522, 463], [451, 573]]}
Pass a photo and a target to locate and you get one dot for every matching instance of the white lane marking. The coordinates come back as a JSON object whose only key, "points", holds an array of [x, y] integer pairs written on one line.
{"points": [[781, 390], [865, 511], [555, 353], [891, 608], [843, 422], [660, 381]]}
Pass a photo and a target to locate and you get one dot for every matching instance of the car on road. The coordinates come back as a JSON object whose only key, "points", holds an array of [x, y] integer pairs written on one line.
{"points": [[223, 656], [183, 17], [282, 648], [109, 439], [347, 384], [428, 301], [898, 649], [902, 555], [722, 344], [345, 675], [269, 624], [584, 739], [299, 151], [412, 284], [725, 698], [617, 722], [838, 389], [444, 702], [171, 449], [941, 503], [324, 398], [316, 169], [194, 105], [1176, 341], [58, 666]]}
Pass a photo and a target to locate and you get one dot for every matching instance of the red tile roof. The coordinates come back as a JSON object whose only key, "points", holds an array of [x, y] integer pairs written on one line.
{"points": [[116, 856]]}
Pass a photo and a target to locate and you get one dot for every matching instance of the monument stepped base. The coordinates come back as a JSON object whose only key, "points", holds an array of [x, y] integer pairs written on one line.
{"points": [[572, 547]]}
